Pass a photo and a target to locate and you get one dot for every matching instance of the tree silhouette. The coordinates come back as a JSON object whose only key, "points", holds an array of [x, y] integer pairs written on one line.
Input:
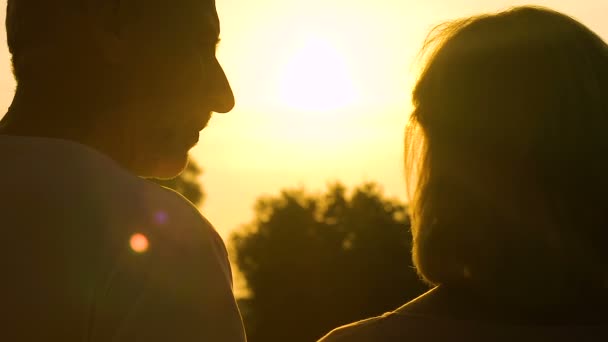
{"points": [[186, 183], [313, 262]]}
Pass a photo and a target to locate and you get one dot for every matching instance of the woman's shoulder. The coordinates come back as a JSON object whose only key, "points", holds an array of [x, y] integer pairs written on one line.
{"points": [[442, 314], [371, 329], [391, 326]]}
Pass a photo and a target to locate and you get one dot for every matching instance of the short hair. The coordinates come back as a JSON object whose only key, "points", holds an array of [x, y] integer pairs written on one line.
{"points": [[31, 23], [505, 153]]}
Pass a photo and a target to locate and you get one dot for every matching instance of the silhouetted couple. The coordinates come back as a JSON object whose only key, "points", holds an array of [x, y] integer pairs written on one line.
{"points": [[506, 164]]}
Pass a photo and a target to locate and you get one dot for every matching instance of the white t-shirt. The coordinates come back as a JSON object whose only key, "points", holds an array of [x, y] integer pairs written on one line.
{"points": [[72, 220]]}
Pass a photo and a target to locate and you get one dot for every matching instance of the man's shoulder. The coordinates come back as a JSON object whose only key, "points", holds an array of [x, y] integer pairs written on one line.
{"points": [[67, 165], [185, 280], [171, 209], [93, 188], [178, 225]]}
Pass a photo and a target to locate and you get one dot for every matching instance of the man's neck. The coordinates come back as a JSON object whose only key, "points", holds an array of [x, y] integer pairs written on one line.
{"points": [[75, 119], [50, 114]]}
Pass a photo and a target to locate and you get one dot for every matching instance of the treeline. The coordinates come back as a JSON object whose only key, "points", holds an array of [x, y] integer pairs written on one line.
{"points": [[313, 262]]}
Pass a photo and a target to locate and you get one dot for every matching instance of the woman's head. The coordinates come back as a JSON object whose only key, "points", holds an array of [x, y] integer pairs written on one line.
{"points": [[508, 144]]}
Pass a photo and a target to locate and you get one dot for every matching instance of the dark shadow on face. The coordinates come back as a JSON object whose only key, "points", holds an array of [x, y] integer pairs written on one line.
{"points": [[175, 83]]}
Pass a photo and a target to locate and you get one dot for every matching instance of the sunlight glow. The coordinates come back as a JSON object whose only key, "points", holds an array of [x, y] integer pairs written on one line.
{"points": [[139, 243], [316, 78]]}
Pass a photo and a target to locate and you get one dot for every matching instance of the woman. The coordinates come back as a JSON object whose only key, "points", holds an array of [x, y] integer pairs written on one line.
{"points": [[507, 152]]}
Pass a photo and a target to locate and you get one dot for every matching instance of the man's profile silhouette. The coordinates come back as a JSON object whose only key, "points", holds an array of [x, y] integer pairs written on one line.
{"points": [[107, 91]]}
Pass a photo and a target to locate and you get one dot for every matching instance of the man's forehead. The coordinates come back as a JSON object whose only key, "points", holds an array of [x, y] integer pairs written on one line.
{"points": [[200, 14], [212, 19], [194, 15]]}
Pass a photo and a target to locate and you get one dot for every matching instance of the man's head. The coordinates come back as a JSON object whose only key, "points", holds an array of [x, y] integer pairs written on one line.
{"points": [[138, 78]]}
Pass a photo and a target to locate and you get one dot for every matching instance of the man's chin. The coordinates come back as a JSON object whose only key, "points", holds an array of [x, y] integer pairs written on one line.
{"points": [[167, 168]]}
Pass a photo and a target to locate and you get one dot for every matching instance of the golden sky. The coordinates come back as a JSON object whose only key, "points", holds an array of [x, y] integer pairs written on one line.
{"points": [[322, 90]]}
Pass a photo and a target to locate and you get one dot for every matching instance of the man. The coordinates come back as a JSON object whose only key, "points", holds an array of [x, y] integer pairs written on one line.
{"points": [[108, 90]]}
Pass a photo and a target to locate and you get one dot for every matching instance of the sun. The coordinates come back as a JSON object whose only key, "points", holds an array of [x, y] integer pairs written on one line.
{"points": [[316, 78]]}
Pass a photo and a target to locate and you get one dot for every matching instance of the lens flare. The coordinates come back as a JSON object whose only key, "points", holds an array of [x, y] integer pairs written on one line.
{"points": [[161, 217], [139, 243]]}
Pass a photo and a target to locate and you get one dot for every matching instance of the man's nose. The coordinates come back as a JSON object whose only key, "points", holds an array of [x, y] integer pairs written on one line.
{"points": [[221, 97]]}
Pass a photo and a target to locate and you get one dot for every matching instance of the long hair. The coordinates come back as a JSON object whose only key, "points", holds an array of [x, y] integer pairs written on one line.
{"points": [[507, 157]]}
